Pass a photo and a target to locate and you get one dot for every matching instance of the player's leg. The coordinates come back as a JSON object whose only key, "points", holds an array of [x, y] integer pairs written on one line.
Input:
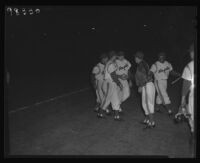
{"points": [[144, 106], [126, 90], [191, 112], [150, 95], [101, 93], [104, 87], [108, 96], [158, 99], [115, 102], [98, 99], [163, 90]]}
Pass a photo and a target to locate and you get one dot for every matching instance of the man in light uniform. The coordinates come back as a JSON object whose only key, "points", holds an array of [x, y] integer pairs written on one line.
{"points": [[188, 91], [98, 79], [146, 87], [123, 70], [111, 88], [161, 70]]}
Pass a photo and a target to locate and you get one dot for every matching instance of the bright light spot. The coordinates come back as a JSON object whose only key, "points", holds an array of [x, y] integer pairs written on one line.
{"points": [[93, 28], [145, 25], [37, 11], [16, 11]]}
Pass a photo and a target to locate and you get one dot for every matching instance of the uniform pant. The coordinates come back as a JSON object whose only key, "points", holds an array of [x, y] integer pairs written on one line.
{"points": [[125, 92], [112, 96], [99, 91], [191, 110], [162, 96], [148, 98]]}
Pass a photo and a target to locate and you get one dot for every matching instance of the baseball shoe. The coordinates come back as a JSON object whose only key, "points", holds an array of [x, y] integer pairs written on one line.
{"points": [[99, 115], [118, 118], [107, 112], [145, 121], [150, 125], [170, 113]]}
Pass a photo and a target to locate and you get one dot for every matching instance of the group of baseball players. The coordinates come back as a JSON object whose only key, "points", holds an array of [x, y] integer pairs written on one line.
{"points": [[112, 81]]}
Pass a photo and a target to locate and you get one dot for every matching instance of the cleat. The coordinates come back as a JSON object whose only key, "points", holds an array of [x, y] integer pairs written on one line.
{"points": [[96, 109], [150, 126], [170, 113], [100, 115], [145, 122], [108, 112], [118, 118]]}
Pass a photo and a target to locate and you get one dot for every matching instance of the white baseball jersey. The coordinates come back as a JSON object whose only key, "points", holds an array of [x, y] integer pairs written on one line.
{"points": [[161, 70], [123, 66], [110, 67], [98, 70], [188, 73]]}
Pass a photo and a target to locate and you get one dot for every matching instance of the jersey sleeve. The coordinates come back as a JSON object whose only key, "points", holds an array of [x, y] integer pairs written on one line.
{"points": [[111, 68], [186, 74], [96, 70], [153, 68]]}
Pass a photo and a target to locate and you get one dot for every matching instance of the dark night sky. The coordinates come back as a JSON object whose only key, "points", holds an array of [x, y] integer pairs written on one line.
{"points": [[67, 40]]}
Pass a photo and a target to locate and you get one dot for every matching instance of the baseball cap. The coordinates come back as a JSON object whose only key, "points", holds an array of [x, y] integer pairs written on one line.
{"points": [[139, 55]]}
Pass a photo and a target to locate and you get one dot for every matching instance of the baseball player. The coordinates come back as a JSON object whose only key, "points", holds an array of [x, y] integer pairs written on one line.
{"points": [[144, 81], [98, 79], [188, 91], [161, 70], [123, 71], [111, 88]]}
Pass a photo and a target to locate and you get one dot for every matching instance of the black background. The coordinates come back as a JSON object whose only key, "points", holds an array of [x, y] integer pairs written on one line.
{"points": [[53, 52]]}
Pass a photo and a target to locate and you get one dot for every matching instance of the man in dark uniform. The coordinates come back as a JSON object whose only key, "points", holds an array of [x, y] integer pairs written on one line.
{"points": [[144, 81]]}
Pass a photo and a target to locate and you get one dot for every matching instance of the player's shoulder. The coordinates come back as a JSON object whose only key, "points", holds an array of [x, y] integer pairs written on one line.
{"points": [[190, 64]]}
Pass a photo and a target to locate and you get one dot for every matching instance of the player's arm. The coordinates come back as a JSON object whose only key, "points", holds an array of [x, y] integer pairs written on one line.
{"points": [[147, 71], [128, 65], [172, 72], [115, 78], [106, 95], [95, 71], [185, 90], [112, 71], [93, 80]]}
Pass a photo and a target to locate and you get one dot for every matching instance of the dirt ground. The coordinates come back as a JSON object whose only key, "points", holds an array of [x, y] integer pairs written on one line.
{"points": [[69, 126]]}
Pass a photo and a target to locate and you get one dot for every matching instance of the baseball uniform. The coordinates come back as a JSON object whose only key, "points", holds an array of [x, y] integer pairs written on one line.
{"points": [[98, 71], [161, 72], [112, 95], [144, 81], [123, 68]]}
